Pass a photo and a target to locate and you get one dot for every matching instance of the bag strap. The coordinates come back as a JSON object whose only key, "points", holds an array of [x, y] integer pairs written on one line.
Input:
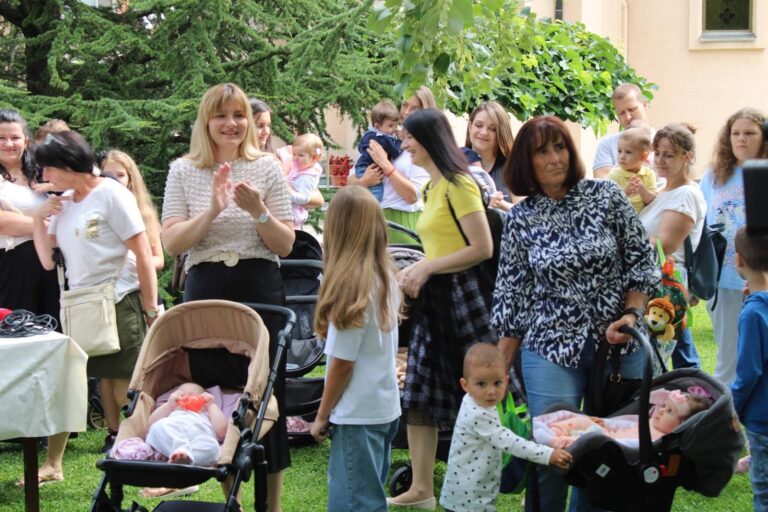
{"points": [[456, 219], [453, 212], [58, 257]]}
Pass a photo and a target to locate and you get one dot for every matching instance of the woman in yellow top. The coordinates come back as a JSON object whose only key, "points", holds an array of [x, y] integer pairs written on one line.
{"points": [[453, 295]]}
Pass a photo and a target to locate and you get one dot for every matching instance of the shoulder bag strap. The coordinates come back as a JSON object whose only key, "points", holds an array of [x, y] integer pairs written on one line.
{"points": [[58, 257], [455, 219], [453, 212], [689, 254]]}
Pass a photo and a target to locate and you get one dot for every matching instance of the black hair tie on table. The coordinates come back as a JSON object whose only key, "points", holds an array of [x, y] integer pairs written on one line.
{"points": [[21, 323]]}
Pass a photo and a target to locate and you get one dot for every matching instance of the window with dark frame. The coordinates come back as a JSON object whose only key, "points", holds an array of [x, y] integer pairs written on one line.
{"points": [[727, 15]]}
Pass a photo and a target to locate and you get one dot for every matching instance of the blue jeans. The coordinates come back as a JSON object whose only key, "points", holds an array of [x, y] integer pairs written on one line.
{"points": [[547, 384], [758, 469], [358, 467], [685, 355]]}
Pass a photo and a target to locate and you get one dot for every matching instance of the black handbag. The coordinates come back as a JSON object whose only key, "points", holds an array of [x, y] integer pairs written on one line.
{"points": [[704, 265], [617, 389], [495, 219]]}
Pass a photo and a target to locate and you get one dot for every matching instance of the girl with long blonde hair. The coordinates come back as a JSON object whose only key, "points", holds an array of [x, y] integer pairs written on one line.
{"points": [[357, 312], [123, 168]]}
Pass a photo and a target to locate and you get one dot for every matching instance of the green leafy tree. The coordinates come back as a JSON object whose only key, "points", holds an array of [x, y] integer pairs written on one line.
{"points": [[132, 77], [472, 51]]}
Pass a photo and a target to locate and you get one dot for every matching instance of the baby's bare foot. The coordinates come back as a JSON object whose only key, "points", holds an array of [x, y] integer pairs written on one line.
{"points": [[180, 457]]}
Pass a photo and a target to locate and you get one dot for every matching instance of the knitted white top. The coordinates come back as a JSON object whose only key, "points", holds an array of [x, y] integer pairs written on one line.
{"points": [[232, 235]]}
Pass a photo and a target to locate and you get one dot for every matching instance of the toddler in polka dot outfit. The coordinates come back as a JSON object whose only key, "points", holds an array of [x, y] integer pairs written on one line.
{"points": [[474, 462]]}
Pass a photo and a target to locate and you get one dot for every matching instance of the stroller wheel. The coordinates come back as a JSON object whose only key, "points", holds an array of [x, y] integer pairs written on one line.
{"points": [[95, 417], [401, 480]]}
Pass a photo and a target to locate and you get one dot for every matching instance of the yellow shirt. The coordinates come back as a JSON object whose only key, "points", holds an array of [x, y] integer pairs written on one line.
{"points": [[622, 177], [439, 233]]}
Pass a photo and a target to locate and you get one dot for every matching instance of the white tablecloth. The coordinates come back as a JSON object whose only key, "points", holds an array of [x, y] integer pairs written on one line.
{"points": [[43, 386]]}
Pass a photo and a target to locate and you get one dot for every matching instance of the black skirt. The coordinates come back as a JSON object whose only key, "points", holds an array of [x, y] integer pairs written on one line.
{"points": [[251, 280], [451, 313], [25, 284]]}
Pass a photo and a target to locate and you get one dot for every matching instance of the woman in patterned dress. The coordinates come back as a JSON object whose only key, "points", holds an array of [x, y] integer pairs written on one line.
{"points": [[453, 297], [227, 204], [575, 266]]}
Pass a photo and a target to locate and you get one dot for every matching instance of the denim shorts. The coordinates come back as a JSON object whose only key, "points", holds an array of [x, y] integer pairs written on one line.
{"points": [[358, 467]]}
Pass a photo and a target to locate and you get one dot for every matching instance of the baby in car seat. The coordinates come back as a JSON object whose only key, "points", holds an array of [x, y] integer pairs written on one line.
{"points": [[558, 432]]}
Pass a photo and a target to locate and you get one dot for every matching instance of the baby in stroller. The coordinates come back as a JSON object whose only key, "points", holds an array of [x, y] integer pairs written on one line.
{"points": [[188, 428], [561, 428]]}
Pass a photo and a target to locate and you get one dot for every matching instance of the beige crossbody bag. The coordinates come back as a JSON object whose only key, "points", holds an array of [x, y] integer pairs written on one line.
{"points": [[88, 315]]}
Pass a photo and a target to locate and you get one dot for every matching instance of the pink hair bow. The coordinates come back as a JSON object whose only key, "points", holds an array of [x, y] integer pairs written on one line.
{"points": [[699, 391]]}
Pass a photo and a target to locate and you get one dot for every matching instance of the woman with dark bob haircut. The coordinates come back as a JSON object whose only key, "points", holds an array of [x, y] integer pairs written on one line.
{"points": [[453, 297], [98, 227], [575, 266]]}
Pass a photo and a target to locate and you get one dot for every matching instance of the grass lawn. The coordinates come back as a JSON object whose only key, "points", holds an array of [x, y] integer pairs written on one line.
{"points": [[305, 483]]}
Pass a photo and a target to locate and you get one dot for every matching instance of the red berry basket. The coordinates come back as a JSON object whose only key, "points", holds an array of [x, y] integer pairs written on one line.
{"points": [[339, 167]]}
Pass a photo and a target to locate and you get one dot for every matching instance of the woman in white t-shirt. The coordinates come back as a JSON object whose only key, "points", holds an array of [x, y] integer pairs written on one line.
{"points": [[95, 223], [677, 212], [24, 283]]}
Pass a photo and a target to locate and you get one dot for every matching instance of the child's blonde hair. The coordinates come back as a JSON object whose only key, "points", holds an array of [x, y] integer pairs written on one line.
{"points": [[311, 142], [358, 268], [139, 189], [637, 138], [482, 354]]}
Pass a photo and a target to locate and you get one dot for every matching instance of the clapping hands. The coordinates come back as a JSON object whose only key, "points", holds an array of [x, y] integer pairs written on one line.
{"points": [[246, 196], [221, 189]]}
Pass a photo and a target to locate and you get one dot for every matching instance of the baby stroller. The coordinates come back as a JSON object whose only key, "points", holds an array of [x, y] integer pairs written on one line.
{"points": [[302, 272], [212, 342], [699, 455]]}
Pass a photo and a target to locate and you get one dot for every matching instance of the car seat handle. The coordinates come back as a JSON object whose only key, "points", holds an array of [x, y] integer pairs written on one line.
{"points": [[647, 457]]}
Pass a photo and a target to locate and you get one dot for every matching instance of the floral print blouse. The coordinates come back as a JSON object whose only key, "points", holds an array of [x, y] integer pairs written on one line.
{"points": [[565, 269]]}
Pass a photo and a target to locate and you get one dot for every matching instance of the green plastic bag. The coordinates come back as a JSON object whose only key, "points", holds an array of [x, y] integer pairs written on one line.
{"points": [[515, 417]]}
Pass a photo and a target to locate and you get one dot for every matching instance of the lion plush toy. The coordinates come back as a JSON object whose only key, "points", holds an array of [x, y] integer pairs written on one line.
{"points": [[659, 315]]}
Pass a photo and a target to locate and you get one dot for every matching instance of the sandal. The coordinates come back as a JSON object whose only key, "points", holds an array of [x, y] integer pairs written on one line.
{"points": [[167, 492]]}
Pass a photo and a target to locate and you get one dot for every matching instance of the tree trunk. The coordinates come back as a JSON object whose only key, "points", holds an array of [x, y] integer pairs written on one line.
{"points": [[35, 20]]}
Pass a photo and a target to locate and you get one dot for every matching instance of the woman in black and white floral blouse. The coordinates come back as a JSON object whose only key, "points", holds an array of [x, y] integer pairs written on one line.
{"points": [[575, 266]]}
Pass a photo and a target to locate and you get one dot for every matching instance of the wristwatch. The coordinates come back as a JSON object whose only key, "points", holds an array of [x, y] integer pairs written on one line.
{"points": [[633, 311], [263, 218], [151, 313]]}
